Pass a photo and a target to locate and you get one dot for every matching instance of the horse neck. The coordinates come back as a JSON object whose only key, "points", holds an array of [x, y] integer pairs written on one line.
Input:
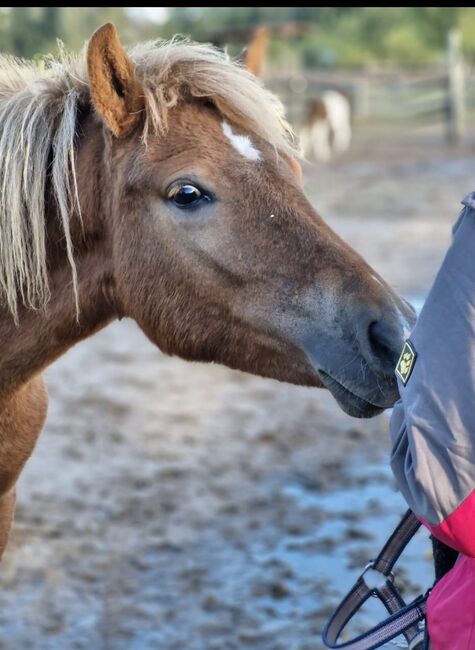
{"points": [[45, 334]]}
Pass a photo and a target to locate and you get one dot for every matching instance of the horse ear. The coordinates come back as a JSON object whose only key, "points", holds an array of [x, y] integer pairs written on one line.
{"points": [[256, 51], [116, 93]]}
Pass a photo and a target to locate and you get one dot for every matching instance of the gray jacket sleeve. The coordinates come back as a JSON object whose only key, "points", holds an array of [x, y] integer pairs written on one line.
{"points": [[433, 425]]}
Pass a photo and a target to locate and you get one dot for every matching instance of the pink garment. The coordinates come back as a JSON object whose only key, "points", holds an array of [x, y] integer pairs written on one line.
{"points": [[451, 608], [458, 529], [451, 604]]}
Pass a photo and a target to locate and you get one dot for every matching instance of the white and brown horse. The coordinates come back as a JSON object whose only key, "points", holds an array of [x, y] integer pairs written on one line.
{"points": [[325, 129], [160, 184]]}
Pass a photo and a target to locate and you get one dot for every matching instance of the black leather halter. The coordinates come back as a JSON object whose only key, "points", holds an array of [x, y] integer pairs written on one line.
{"points": [[377, 580]]}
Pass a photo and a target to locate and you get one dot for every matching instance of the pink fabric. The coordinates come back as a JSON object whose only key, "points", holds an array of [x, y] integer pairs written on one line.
{"points": [[451, 608], [458, 530], [451, 604]]}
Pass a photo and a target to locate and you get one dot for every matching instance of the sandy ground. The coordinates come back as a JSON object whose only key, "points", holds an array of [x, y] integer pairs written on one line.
{"points": [[171, 506]]}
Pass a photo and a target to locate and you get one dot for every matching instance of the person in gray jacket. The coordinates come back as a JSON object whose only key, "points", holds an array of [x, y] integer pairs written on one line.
{"points": [[433, 432]]}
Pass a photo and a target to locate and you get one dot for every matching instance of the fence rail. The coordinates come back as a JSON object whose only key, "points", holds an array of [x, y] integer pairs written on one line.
{"points": [[443, 95]]}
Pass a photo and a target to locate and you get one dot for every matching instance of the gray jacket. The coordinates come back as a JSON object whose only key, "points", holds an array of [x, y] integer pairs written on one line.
{"points": [[433, 425]]}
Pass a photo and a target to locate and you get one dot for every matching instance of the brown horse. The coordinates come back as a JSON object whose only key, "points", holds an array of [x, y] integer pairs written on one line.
{"points": [[161, 185]]}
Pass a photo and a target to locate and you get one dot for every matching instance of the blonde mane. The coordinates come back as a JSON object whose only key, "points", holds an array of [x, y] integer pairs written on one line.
{"points": [[38, 113]]}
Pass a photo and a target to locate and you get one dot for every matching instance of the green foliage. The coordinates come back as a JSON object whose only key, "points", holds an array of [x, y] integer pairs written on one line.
{"points": [[346, 36], [328, 36], [31, 31], [403, 46], [433, 23]]}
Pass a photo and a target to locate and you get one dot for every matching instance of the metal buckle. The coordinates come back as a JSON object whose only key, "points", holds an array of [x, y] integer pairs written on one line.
{"points": [[372, 578]]}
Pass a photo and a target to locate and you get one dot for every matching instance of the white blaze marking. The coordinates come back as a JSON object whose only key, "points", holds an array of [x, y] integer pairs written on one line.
{"points": [[241, 143]]}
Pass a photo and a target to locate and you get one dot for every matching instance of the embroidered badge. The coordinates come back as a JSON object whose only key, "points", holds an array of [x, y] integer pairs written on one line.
{"points": [[406, 362]]}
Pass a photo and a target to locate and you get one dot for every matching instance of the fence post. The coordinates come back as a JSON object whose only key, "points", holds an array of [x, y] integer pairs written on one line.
{"points": [[456, 87]]}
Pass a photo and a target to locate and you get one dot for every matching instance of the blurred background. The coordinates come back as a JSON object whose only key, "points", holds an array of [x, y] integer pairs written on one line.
{"points": [[173, 506]]}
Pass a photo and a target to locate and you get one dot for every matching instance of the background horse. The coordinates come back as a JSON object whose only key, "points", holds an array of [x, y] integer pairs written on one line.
{"points": [[325, 128], [161, 185]]}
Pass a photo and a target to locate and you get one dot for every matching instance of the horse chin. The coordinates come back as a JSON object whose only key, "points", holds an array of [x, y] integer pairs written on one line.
{"points": [[348, 401]]}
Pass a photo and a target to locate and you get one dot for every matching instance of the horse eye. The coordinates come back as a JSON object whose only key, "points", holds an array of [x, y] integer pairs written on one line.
{"points": [[187, 196]]}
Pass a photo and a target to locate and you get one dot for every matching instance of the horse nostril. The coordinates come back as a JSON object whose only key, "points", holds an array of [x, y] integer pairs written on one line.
{"points": [[384, 345]]}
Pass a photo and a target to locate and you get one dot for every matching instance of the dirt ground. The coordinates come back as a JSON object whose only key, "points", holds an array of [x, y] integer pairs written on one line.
{"points": [[176, 506]]}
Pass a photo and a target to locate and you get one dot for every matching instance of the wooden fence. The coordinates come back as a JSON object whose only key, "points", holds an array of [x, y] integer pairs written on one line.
{"points": [[444, 96]]}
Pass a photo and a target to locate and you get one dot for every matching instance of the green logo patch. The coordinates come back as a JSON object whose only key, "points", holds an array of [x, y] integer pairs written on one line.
{"points": [[406, 362]]}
